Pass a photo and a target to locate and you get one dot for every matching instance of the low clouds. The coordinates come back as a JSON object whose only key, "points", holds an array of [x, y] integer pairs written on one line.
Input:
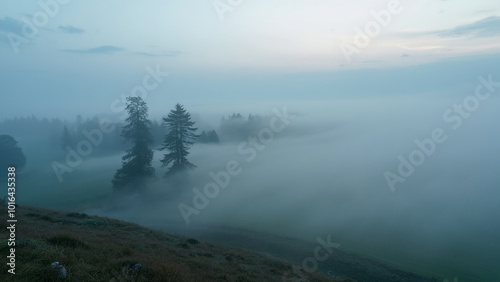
{"points": [[109, 49], [9, 24], [161, 54], [71, 29], [16, 33], [97, 50], [487, 27]]}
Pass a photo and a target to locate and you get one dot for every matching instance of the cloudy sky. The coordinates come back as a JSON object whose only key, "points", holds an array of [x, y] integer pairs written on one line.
{"points": [[75, 57]]}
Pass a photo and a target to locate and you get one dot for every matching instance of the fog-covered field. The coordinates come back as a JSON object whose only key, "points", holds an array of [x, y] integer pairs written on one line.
{"points": [[324, 174]]}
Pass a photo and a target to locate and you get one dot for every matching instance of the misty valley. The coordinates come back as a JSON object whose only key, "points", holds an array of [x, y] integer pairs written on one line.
{"points": [[232, 140], [289, 173]]}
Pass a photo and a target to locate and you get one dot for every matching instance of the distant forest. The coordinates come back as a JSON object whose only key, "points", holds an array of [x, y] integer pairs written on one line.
{"points": [[56, 134]]}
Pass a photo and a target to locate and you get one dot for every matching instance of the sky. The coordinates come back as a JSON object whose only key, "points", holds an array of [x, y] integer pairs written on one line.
{"points": [[78, 57]]}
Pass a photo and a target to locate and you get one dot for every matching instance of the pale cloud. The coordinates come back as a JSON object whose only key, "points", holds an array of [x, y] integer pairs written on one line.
{"points": [[9, 24], [422, 48], [487, 27], [71, 29], [96, 50]]}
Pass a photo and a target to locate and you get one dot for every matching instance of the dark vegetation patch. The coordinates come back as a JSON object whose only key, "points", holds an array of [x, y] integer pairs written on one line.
{"points": [[102, 249], [77, 215], [66, 241], [192, 241], [40, 216]]}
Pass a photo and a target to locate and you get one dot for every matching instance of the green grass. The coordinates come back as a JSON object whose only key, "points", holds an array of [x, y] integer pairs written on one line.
{"points": [[102, 249], [68, 241]]}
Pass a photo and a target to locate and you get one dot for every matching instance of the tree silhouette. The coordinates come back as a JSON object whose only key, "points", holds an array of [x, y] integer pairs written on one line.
{"points": [[136, 164], [179, 139], [203, 137], [10, 155], [66, 139], [210, 137]]}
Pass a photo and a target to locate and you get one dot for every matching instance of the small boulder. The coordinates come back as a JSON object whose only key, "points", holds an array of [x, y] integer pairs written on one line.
{"points": [[137, 267], [60, 269]]}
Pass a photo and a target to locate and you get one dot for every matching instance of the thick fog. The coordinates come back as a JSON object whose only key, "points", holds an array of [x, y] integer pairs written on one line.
{"points": [[324, 174], [316, 168]]}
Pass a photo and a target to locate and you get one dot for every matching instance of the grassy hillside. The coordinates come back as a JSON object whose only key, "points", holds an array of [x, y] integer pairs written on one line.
{"points": [[102, 249], [341, 263]]}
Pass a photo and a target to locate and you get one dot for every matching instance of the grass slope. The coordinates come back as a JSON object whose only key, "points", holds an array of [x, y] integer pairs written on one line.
{"points": [[103, 249], [338, 264]]}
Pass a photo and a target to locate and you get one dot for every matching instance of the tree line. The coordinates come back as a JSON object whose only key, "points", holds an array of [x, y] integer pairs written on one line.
{"points": [[173, 135], [56, 134]]}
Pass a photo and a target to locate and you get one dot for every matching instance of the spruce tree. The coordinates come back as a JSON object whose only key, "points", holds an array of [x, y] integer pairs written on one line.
{"points": [[179, 139], [10, 155], [66, 139], [213, 137], [136, 164]]}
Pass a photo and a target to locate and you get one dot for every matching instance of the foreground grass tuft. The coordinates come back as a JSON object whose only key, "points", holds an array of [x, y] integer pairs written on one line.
{"points": [[66, 241]]}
